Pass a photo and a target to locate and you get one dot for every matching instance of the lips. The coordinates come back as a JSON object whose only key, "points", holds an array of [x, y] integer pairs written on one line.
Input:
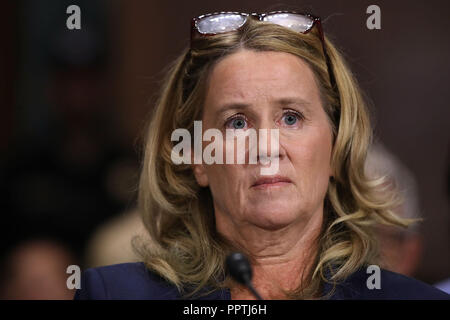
{"points": [[271, 181]]}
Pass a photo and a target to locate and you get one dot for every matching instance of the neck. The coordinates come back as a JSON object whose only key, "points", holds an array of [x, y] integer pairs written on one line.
{"points": [[279, 257]]}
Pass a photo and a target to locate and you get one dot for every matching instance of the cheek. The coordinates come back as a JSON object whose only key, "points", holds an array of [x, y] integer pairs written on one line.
{"points": [[225, 181], [228, 187], [226, 178], [311, 160]]}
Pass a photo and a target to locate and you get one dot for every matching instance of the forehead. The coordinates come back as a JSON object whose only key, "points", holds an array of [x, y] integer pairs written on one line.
{"points": [[252, 75]]}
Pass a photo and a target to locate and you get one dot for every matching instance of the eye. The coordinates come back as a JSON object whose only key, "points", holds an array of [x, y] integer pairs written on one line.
{"points": [[291, 118], [237, 122]]}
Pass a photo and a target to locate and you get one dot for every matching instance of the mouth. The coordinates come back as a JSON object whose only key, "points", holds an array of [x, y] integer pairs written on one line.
{"points": [[271, 181]]}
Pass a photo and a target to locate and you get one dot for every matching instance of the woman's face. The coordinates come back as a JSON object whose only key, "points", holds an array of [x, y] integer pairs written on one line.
{"points": [[268, 90]]}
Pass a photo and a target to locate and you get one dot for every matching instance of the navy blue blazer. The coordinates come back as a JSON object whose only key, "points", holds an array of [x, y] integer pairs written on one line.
{"points": [[135, 281]]}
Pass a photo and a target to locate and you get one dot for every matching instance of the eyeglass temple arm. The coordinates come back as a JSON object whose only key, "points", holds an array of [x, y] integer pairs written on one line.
{"points": [[192, 29], [327, 57]]}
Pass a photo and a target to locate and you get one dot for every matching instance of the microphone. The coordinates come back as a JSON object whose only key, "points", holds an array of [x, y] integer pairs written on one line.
{"points": [[239, 268]]}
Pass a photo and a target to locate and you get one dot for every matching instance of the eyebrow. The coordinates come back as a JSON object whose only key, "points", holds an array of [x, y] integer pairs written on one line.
{"points": [[282, 101], [293, 100]]}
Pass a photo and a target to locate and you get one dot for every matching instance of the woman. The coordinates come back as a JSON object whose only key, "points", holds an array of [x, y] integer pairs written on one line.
{"points": [[307, 227]]}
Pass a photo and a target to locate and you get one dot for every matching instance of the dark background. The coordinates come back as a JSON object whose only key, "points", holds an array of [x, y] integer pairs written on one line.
{"points": [[73, 104]]}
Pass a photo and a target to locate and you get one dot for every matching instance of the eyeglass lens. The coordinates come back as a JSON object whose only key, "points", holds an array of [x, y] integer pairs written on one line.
{"points": [[220, 23], [224, 22]]}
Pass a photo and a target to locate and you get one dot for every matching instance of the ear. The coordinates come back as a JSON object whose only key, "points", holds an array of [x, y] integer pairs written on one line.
{"points": [[199, 172], [200, 175]]}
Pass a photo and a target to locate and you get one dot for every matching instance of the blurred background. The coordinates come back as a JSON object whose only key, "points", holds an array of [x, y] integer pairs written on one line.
{"points": [[74, 104]]}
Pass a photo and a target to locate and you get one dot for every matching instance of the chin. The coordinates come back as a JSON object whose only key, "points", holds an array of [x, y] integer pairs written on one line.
{"points": [[274, 217]]}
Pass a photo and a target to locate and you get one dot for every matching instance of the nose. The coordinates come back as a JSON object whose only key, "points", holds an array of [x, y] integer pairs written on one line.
{"points": [[270, 145]]}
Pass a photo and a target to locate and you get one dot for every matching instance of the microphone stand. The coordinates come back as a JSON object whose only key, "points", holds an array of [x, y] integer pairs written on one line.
{"points": [[240, 270]]}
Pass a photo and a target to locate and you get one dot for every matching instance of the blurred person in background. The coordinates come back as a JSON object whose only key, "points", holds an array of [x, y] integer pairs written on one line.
{"points": [[35, 269], [111, 242], [444, 285], [400, 249]]}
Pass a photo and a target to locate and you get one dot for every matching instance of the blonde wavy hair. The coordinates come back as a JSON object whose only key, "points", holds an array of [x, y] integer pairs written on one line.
{"points": [[184, 247]]}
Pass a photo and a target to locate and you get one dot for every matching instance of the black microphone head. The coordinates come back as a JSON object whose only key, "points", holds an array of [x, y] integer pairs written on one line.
{"points": [[239, 268]]}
